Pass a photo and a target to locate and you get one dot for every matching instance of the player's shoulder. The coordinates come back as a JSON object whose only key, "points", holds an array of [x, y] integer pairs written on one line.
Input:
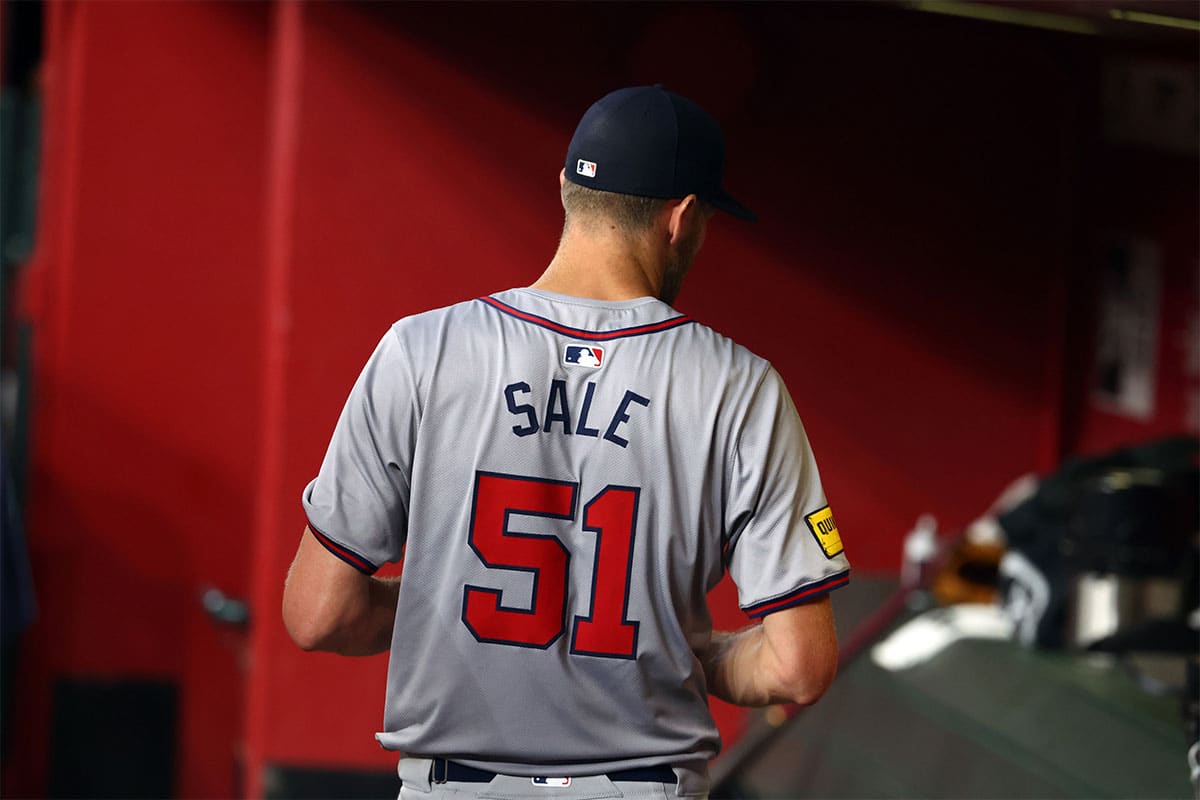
{"points": [[435, 320], [736, 355]]}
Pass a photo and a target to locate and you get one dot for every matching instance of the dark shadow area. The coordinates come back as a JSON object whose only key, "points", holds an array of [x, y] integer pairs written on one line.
{"points": [[283, 782], [113, 739]]}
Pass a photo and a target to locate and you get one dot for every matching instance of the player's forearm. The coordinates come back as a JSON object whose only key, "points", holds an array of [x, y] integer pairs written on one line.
{"points": [[349, 624], [744, 668], [371, 632], [730, 667], [330, 606]]}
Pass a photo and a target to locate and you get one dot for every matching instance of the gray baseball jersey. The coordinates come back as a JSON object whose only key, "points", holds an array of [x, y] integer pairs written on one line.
{"points": [[566, 479]]}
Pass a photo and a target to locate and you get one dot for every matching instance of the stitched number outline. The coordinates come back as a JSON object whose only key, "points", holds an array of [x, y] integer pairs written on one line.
{"points": [[611, 515]]}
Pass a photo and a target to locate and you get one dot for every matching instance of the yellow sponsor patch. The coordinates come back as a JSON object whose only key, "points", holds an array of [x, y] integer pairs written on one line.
{"points": [[821, 523]]}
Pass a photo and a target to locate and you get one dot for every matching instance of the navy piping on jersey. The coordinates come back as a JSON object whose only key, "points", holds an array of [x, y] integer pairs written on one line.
{"points": [[798, 596], [344, 553], [580, 333]]}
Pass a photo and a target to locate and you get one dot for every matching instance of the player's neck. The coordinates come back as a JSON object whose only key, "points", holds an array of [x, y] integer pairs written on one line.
{"points": [[602, 268]]}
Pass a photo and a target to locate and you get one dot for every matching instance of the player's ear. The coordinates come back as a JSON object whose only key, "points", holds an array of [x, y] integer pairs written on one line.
{"points": [[562, 177], [685, 215]]}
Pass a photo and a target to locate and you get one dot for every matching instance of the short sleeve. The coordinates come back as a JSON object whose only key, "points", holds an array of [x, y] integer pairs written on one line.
{"points": [[357, 506], [784, 547]]}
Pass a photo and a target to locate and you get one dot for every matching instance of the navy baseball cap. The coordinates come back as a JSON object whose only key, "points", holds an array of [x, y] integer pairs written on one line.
{"points": [[646, 141]]}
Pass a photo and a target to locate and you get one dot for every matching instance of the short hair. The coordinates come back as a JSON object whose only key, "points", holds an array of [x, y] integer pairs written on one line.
{"points": [[632, 213]]}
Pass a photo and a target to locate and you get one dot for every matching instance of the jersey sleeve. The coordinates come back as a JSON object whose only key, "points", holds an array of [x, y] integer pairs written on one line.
{"points": [[357, 506], [783, 547]]}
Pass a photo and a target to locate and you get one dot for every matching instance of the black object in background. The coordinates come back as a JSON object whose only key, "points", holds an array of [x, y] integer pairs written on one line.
{"points": [[113, 739], [282, 782], [1129, 513]]}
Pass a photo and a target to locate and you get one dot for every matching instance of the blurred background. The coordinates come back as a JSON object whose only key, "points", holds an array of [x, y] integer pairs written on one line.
{"points": [[977, 268]]}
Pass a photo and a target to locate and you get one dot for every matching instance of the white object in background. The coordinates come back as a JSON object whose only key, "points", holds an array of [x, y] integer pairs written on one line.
{"points": [[1103, 604], [986, 531], [1028, 597], [924, 637], [1096, 614], [920, 546]]}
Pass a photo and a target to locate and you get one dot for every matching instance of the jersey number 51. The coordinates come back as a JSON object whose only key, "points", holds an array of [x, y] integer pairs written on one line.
{"points": [[611, 515]]}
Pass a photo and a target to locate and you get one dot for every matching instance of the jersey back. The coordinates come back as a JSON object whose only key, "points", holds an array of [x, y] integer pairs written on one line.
{"points": [[565, 480]]}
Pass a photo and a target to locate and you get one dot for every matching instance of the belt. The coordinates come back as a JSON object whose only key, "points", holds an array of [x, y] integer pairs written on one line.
{"points": [[445, 770]]}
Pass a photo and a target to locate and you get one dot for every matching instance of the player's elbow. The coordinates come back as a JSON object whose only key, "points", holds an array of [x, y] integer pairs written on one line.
{"points": [[801, 668], [308, 631], [308, 635], [804, 679], [324, 601], [312, 621]]}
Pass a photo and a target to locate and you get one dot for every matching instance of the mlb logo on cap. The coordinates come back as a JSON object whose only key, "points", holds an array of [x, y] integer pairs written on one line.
{"points": [[586, 168], [583, 355]]}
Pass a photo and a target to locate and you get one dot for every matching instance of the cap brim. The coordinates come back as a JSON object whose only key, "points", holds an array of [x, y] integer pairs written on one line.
{"points": [[724, 202]]}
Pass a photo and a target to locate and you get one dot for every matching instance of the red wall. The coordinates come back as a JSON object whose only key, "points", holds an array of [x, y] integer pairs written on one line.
{"points": [[144, 293], [239, 199]]}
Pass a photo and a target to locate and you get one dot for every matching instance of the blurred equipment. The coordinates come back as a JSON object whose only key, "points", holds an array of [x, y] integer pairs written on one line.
{"points": [[1105, 557], [981, 718], [1101, 554], [970, 573], [1106, 546]]}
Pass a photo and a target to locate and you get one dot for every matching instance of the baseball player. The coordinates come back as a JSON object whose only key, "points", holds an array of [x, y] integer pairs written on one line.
{"points": [[566, 470]]}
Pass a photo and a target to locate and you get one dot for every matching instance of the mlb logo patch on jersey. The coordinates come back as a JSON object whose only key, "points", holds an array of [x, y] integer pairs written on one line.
{"points": [[586, 168], [583, 355], [821, 523], [546, 783]]}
